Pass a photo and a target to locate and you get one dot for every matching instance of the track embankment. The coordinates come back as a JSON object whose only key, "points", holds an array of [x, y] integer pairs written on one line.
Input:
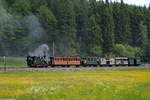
{"points": [[75, 69]]}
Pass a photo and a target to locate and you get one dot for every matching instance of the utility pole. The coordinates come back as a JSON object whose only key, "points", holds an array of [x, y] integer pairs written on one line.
{"points": [[53, 49], [4, 63]]}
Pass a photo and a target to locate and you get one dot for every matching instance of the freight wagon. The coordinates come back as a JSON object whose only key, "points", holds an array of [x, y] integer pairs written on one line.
{"points": [[33, 61]]}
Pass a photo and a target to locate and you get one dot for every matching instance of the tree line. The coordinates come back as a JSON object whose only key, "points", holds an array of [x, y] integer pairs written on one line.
{"points": [[77, 27]]}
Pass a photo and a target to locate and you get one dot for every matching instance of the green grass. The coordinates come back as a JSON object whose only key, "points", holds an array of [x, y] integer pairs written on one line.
{"points": [[92, 85], [13, 62]]}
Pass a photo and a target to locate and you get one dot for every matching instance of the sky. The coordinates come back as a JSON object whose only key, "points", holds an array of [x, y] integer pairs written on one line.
{"points": [[137, 2]]}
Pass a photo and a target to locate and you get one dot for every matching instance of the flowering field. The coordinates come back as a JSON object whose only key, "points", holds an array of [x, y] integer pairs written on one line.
{"points": [[93, 85]]}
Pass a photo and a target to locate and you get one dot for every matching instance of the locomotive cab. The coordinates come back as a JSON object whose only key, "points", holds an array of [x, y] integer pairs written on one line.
{"points": [[30, 60]]}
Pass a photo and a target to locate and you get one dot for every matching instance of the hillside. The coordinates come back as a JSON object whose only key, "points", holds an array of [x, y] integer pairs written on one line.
{"points": [[77, 27]]}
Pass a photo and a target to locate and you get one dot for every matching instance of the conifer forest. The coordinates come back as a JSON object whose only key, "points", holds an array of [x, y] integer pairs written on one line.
{"points": [[76, 27]]}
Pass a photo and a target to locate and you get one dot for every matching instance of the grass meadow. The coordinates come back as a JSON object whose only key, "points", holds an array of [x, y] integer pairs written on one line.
{"points": [[13, 62], [86, 85]]}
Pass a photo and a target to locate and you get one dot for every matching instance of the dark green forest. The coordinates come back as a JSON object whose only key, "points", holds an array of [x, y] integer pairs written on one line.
{"points": [[76, 27]]}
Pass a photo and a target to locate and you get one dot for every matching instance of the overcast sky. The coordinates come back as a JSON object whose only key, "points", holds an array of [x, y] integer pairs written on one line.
{"points": [[136, 2]]}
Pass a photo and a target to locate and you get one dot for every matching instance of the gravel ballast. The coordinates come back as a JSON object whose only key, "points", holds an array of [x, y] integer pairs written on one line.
{"points": [[74, 69]]}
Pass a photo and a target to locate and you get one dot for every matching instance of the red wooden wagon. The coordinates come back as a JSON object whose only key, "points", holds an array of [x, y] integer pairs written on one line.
{"points": [[65, 61]]}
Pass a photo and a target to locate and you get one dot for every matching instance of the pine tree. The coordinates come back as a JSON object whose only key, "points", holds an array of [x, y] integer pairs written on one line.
{"points": [[49, 22], [108, 30], [107, 1], [117, 22], [66, 25], [125, 30], [122, 2], [142, 40], [82, 13], [93, 7], [21, 7], [136, 18], [148, 21], [146, 55], [37, 3], [94, 38]]}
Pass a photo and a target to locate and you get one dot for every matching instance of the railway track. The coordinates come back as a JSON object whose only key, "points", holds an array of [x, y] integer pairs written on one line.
{"points": [[74, 69]]}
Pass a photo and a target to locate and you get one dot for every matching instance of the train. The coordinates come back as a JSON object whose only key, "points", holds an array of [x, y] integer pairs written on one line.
{"points": [[41, 62]]}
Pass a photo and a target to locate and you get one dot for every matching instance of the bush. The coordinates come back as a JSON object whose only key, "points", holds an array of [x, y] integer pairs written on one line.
{"points": [[125, 50]]}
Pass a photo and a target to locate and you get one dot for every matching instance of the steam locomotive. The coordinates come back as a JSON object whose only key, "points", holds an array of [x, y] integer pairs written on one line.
{"points": [[36, 62]]}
